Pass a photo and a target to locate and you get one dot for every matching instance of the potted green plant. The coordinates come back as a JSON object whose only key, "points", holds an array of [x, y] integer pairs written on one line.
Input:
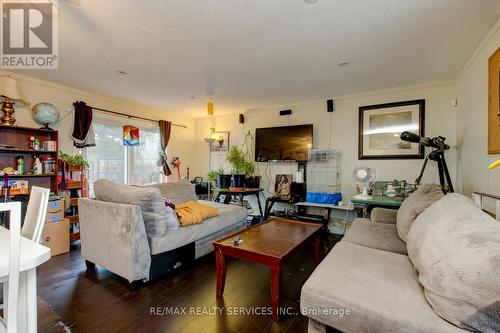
{"points": [[243, 169], [219, 178], [251, 180], [236, 158], [74, 159]]}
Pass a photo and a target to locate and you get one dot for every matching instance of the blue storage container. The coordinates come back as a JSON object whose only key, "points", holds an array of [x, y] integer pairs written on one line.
{"points": [[324, 198]]}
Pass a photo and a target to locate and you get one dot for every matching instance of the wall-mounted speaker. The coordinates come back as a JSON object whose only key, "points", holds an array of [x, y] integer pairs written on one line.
{"points": [[330, 105], [285, 112], [241, 118]]}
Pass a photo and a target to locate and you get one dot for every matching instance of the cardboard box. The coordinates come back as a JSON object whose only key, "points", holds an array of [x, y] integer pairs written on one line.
{"points": [[55, 235], [55, 211]]}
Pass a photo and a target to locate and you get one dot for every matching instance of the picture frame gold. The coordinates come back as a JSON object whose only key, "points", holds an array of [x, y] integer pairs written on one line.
{"points": [[494, 103]]}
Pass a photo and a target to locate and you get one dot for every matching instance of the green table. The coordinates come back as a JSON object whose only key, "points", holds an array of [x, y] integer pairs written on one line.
{"points": [[365, 206]]}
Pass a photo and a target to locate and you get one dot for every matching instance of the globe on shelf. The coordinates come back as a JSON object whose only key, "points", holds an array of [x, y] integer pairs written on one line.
{"points": [[45, 114]]}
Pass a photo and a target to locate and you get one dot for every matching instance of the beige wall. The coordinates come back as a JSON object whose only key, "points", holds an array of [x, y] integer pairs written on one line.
{"points": [[63, 97], [440, 120], [472, 121]]}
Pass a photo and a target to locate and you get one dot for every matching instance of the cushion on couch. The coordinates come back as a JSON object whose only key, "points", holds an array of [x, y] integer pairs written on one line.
{"points": [[381, 236], [178, 192], [455, 247], [230, 216], [157, 217], [414, 205], [379, 289]]}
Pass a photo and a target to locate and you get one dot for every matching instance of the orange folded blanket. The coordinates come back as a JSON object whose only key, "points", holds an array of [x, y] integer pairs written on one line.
{"points": [[193, 212]]}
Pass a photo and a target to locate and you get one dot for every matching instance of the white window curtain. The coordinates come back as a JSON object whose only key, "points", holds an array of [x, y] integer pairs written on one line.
{"points": [[111, 159]]}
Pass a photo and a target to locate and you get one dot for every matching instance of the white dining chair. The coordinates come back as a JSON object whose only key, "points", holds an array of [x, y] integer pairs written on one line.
{"points": [[33, 226], [9, 322], [36, 213]]}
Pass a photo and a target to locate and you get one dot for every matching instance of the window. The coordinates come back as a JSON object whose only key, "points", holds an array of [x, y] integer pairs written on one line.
{"points": [[122, 164]]}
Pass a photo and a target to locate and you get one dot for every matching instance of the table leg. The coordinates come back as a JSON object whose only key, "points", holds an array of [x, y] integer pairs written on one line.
{"points": [[317, 247], [31, 306], [260, 206], [217, 198], [267, 211], [241, 200], [220, 264], [23, 303], [275, 290]]}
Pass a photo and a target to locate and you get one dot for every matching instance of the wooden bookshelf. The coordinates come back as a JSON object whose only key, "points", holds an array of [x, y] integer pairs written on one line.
{"points": [[75, 191], [19, 137]]}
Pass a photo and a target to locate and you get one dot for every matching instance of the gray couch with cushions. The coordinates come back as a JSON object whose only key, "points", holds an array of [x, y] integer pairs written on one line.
{"points": [[419, 269], [131, 232]]}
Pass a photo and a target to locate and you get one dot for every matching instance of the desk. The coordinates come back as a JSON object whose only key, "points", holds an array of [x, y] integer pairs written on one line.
{"points": [[365, 206], [240, 193], [32, 255]]}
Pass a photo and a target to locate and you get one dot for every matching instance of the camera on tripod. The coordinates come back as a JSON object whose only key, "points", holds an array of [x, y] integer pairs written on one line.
{"points": [[436, 142], [437, 154]]}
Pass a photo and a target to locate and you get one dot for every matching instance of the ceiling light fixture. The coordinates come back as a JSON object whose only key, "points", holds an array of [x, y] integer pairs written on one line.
{"points": [[121, 73], [343, 64], [210, 108]]}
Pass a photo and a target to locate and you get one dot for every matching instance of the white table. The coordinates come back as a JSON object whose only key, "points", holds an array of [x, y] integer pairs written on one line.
{"points": [[32, 256]]}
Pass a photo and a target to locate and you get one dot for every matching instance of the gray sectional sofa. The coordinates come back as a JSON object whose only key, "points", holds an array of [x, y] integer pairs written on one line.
{"points": [[127, 230], [444, 278]]}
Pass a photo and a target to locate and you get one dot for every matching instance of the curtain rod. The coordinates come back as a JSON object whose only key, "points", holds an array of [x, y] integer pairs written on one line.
{"points": [[130, 116]]}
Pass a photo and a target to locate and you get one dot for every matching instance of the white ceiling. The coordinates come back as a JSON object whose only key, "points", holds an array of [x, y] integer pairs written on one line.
{"points": [[262, 52]]}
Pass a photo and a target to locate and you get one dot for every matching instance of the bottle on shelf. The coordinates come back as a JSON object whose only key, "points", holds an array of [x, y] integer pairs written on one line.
{"points": [[37, 144], [32, 143], [20, 164], [37, 166]]}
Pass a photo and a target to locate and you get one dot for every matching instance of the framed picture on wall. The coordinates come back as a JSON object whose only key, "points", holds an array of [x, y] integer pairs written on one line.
{"points": [[494, 103], [380, 128], [282, 186], [221, 141]]}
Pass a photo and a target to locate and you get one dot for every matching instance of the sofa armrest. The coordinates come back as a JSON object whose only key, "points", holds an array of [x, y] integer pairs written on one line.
{"points": [[113, 236], [383, 215]]}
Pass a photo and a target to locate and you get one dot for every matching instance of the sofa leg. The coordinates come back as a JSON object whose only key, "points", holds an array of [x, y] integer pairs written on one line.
{"points": [[315, 327], [134, 285], [90, 265]]}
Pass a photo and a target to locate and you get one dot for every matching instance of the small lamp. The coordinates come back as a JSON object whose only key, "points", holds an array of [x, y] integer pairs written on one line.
{"points": [[10, 94]]}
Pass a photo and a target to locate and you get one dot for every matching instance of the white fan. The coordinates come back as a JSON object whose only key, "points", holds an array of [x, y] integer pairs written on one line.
{"points": [[364, 176]]}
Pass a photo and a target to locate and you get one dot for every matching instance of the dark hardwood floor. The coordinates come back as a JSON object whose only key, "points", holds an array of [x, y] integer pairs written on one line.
{"points": [[99, 301]]}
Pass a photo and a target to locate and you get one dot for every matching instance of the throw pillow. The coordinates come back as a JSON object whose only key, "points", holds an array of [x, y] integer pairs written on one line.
{"points": [[455, 247], [414, 205], [172, 220], [154, 211], [169, 203]]}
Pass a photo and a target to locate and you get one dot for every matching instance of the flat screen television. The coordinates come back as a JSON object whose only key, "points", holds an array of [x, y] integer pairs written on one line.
{"points": [[286, 143]]}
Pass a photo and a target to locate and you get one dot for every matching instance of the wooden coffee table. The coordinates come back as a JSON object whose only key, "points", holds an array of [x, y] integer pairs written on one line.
{"points": [[268, 243]]}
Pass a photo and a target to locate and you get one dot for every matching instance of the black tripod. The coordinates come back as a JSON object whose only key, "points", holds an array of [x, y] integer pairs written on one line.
{"points": [[444, 175]]}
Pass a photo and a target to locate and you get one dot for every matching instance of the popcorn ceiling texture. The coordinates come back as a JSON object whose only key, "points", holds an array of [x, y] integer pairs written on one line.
{"points": [[262, 53]]}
